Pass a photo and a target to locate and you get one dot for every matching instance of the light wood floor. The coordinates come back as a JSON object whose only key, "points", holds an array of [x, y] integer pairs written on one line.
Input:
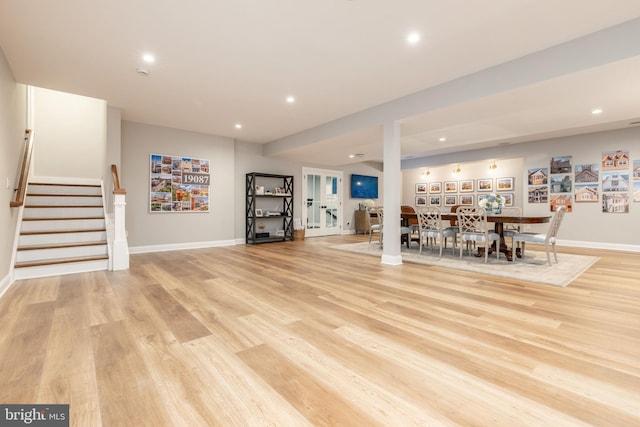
{"points": [[295, 334]]}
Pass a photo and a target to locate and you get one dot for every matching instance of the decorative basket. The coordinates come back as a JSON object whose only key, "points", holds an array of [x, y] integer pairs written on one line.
{"points": [[298, 234]]}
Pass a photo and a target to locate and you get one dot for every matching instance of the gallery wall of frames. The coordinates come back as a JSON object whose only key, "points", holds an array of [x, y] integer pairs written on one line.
{"points": [[613, 181], [464, 192]]}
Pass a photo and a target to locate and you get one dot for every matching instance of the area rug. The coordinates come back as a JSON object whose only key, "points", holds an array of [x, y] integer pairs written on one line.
{"points": [[533, 268]]}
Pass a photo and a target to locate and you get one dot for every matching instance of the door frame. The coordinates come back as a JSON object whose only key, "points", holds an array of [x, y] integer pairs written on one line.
{"points": [[323, 172]]}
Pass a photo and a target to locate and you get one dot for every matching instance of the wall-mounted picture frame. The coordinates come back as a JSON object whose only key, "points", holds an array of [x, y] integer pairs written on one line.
{"points": [[435, 200], [421, 188], [508, 199], [421, 201], [504, 184], [467, 200], [450, 200], [451, 186], [435, 187], [466, 185], [485, 184], [259, 212]]}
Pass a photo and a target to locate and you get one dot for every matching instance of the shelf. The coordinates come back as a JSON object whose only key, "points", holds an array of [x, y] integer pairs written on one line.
{"points": [[282, 201], [269, 239]]}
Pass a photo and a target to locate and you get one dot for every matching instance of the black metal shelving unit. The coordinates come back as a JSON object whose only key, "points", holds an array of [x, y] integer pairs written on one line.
{"points": [[283, 199]]}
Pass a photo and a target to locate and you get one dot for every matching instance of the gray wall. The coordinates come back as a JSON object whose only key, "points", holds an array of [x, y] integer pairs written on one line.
{"points": [[12, 127], [587, 225], [175, 229]]}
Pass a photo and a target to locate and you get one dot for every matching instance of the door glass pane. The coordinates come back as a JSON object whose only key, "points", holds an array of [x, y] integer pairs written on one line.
{"points": [[331, 202], [314, 199]]}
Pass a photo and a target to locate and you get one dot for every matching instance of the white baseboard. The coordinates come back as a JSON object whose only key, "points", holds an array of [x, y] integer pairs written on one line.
{"points": [[5, 284], [183, 246], [599, 245]]}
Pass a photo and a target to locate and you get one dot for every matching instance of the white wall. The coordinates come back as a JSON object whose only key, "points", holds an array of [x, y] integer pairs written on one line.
{"points": [[70, 135], [157, 231], [587, 225], [12, 127]]}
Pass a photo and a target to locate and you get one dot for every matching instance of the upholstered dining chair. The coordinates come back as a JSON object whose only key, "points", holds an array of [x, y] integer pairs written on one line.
{"points": [[511, 229], [453, 227], [431, 230], [380, 216], [473, 227], [375, 222], [549, 238]]}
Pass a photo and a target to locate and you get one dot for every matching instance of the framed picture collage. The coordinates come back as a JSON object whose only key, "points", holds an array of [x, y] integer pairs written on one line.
{"points": [[464, 192]]}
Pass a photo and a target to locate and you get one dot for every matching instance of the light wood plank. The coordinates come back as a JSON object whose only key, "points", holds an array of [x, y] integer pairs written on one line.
{"points": [[296, 333]]}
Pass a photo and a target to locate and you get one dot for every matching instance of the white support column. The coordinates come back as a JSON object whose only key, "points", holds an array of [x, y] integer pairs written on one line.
{"points": [[120, 246], [392, 188]]}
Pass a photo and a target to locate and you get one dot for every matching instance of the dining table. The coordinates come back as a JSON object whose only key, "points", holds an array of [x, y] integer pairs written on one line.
{"points": [[499, 220]]}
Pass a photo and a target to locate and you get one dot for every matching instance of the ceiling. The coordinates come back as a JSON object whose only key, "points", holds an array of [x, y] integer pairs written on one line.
{"points": [[220, 63]]}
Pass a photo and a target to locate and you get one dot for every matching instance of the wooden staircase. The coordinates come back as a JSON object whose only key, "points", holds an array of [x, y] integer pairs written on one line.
{"points": [[63, 231]]}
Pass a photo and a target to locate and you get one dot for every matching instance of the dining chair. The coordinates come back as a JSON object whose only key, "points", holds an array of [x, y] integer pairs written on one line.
{"points": [[472, 222], [453, 227], [549, 238], [404, 231], [375, 222], [411, 223], [510, 228], [431, 230]]}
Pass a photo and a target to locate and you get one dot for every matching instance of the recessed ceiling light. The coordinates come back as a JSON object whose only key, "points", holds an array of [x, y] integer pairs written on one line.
{"points": [[413, 38], [596, 111], [442, 139], [142, 71], [290, 99], [238, 126], [148, 58]]}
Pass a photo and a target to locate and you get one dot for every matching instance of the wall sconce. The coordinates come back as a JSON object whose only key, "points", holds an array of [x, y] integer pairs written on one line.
{"points": [[493, 167], [457, 170], [425, 174]]}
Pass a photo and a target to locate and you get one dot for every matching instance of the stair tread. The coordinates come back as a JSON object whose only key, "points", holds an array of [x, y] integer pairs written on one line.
{"points": [[63, 206], [52, 184], [69, 218], [60, 261], [62, 195], [81, 230], [62, 245]]}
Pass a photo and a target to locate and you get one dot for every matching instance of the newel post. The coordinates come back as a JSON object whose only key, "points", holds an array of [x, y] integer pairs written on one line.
{"points": [[120, 245]]}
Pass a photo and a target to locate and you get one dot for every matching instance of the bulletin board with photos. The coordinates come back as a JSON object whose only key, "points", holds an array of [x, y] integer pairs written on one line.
{"points": [[178, 184]]}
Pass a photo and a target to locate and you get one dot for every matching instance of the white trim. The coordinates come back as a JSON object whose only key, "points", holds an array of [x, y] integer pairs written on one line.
{"points": [[599, 245], [5, 284], [391, 259], [64, 180], [183, 246]]}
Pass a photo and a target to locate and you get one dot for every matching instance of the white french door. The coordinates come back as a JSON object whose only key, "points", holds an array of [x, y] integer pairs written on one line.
{"points": [[322, 201]]}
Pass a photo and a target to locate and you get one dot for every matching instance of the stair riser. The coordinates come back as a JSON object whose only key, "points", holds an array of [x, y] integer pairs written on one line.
{"points": [[63, 189], [59, 269], [63, 201], [57, 253], [72, 224], [52, 239], [62, 212]]}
